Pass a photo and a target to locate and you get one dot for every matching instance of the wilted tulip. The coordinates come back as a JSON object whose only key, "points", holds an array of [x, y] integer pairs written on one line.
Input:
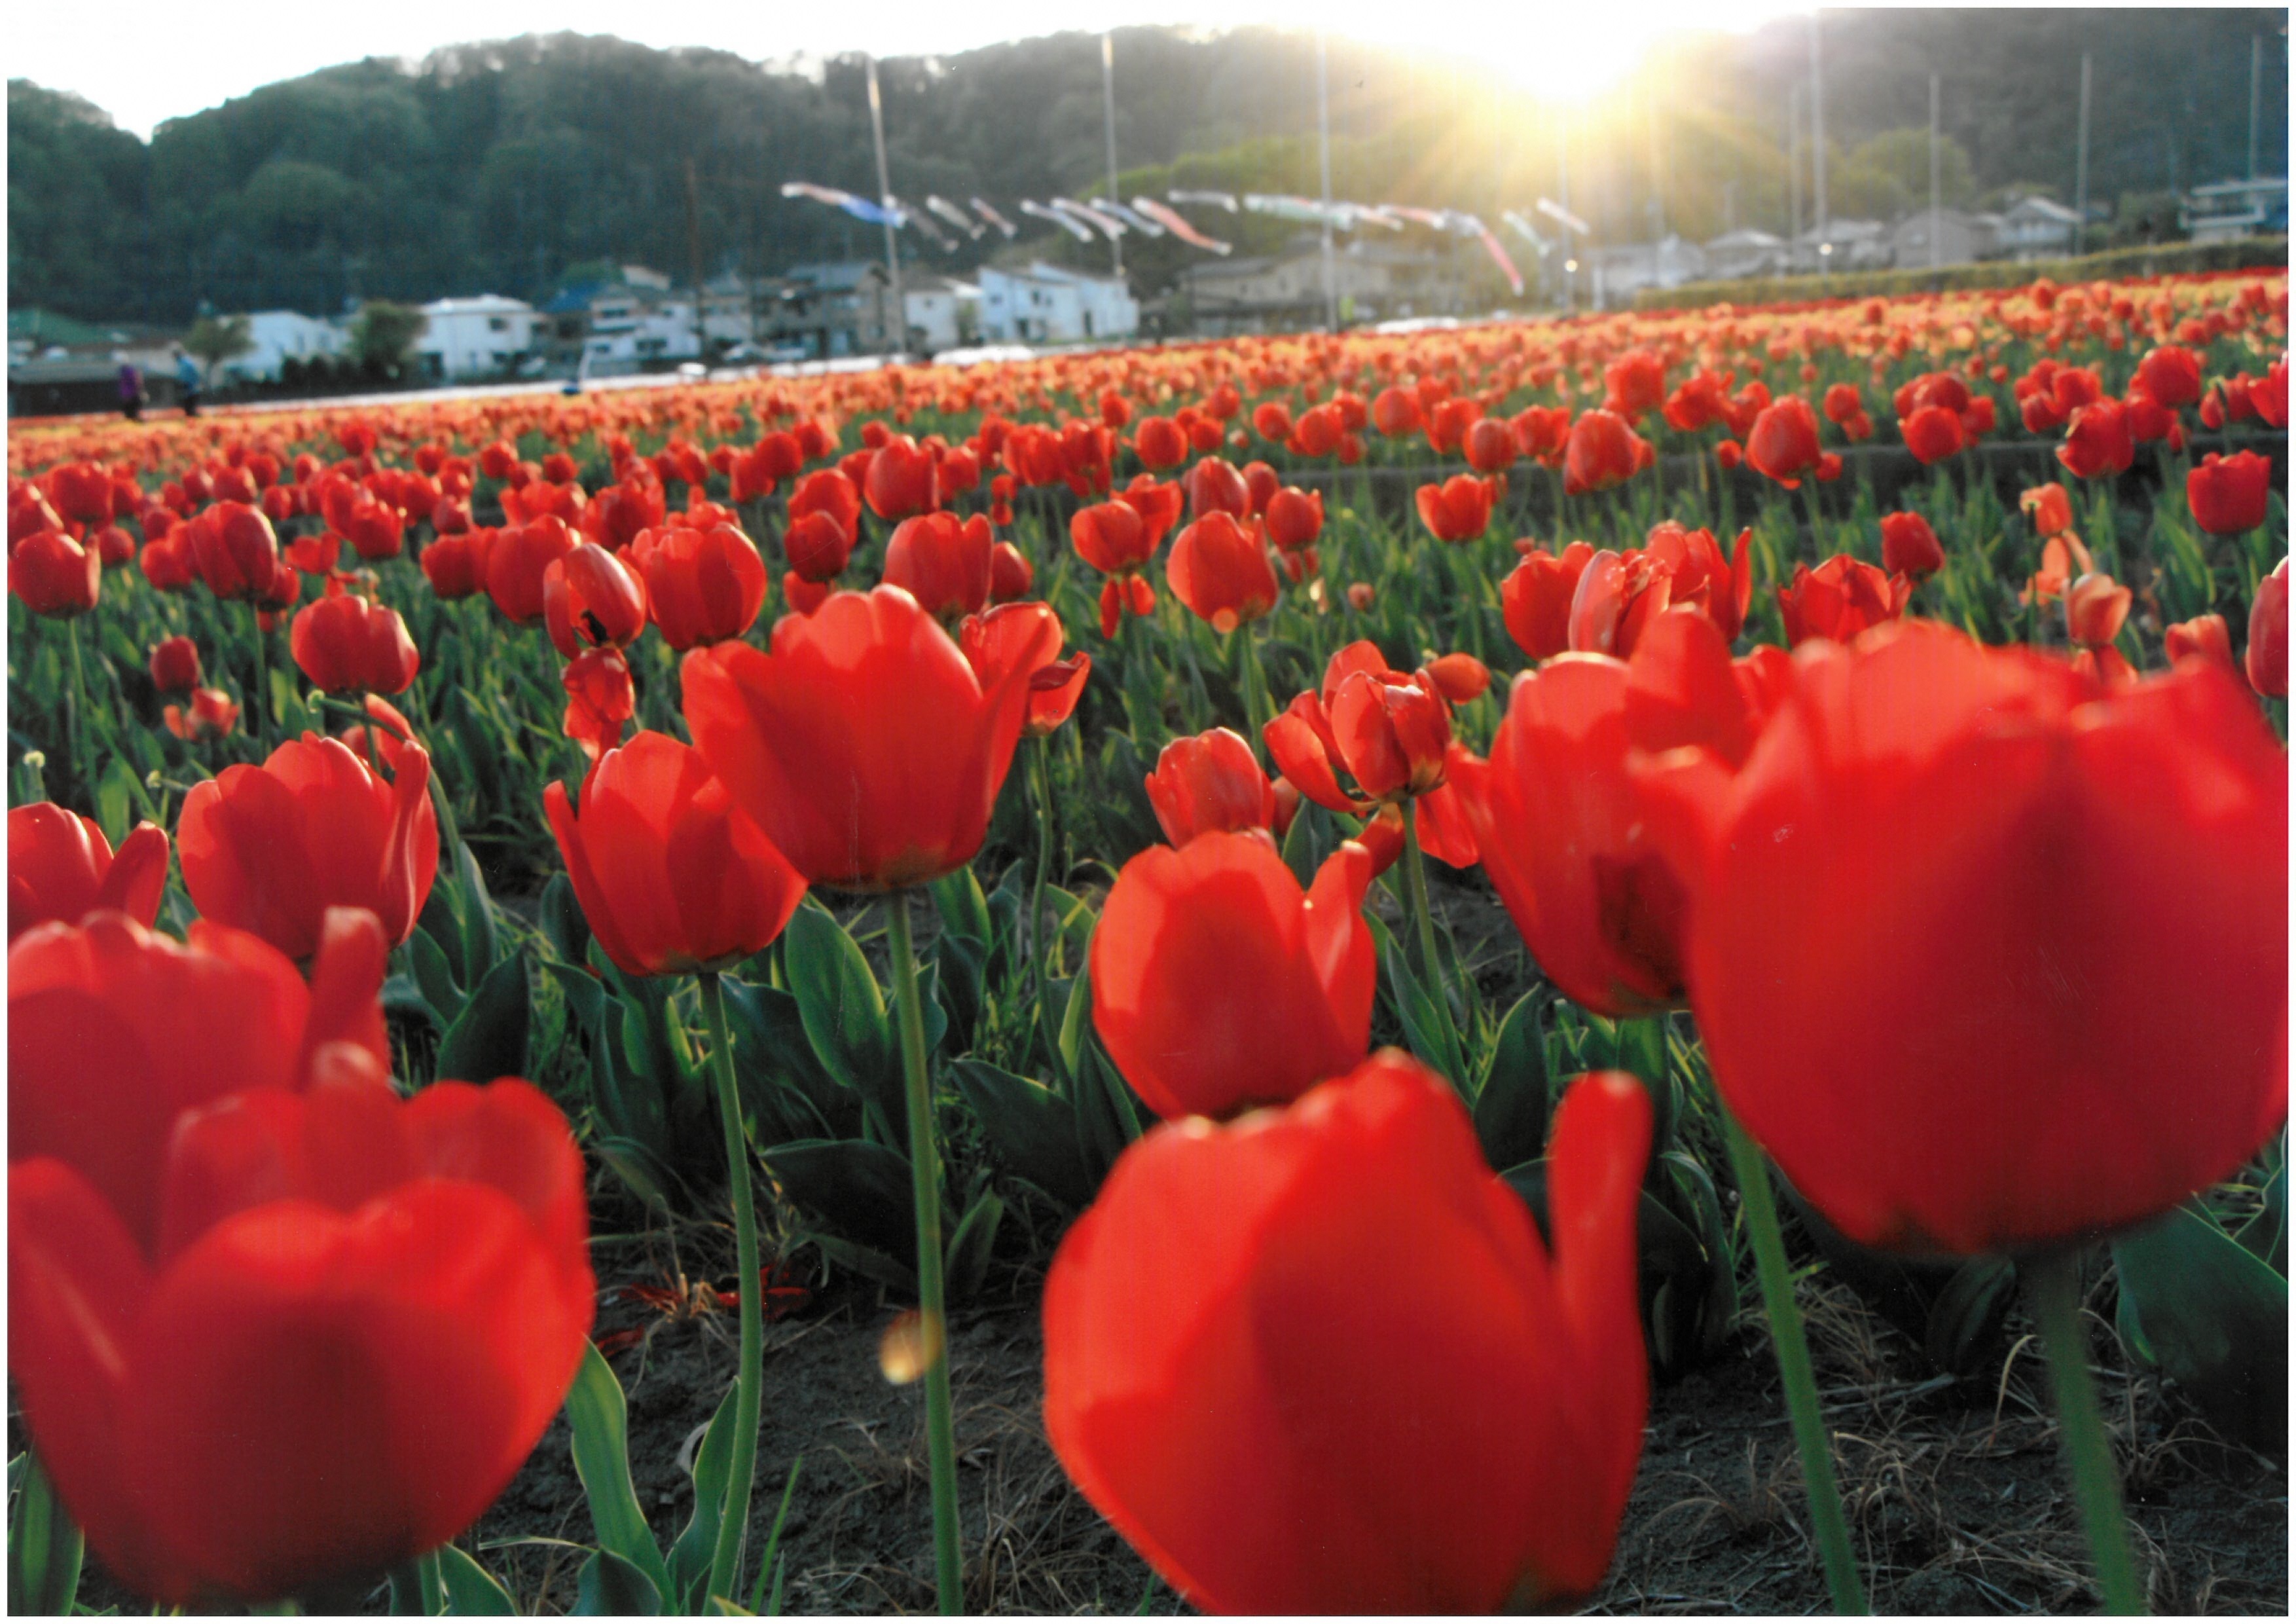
{"points": [[271, 848], [600, 699], [1219, 984], [1281, 1441], [1016, 634]]}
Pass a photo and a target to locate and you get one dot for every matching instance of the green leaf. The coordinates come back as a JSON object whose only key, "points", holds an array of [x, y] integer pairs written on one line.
{"points": [[691, 1556], [843, 1011], [479, 946], [773, 1057], [600, 1421], [115, 798], [608, 1587], [471, 1592], [44, 1546], [434, 976], [1968, 1315], [957, 964], [972, 1247], [1423, 1028], [1032, 1129], [489, 1039], [647, 1175], [868, 1261], [402, 996], [563, 922], [1513, 1104], [1307, 842], [1106, 1122], [964, 907], [2214, 1318], [1078, 1016], [859, 1186]]}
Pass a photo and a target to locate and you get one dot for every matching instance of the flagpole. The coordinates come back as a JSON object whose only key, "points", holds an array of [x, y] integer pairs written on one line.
{"points": [[1324, 142], [896, 331], [1108, 106]]}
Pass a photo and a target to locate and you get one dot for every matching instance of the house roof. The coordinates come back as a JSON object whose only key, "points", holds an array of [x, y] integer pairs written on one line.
{"points": [[836, 273], [481, 304], [2047, 209], [1745, 236]]}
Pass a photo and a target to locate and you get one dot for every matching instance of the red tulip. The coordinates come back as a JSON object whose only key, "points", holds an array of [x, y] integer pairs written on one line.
{"points": [[1932, 434], [701, 586], [344, 644], [942, 561], [2228, 494], [1219, 984], [166, 561], [455, 565], [1839, 599], [233, 549], [114, 1030], [1280, 1439], [213, 714], [2266, 660], [1215, 486], [900, 479], [271, 848], [1459, 509], [1158, 505], [1910, 548], [1967, 1052], [54, 575], [2096, 606], [1159, 443], [1295, 518], [2049, 509], [1395, 413], [599, 698], [671, 876], [1210, 782], [1220, 571], [175, 665], [1011, 636], [518, 560], [1783, 445], [1460, 678], [2097, 441], [1601, 452], [864, 744], [1536, 599], [2170, 376], [1489, 446], [2202, 637], [1390, 733], [1560, 824], [591, 599], [60, 866], [359, 1316]]}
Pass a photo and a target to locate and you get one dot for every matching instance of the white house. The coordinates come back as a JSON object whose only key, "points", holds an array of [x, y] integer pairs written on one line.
{"points": [[475, 338], [1047, 305], [2036, 228], [280, 336], [942, 312], [1745, 252], [630, 325]]}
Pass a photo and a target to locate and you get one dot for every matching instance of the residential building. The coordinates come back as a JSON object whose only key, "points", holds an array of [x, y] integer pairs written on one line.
{"points": [[1372, 281], [2234, 208], [485, 337], [1961, 238], [1844, 245], [1746, 253], [278, 337], [1046, 304], [827, 309], [943, 312], [2036, 227], [1621, 270]]}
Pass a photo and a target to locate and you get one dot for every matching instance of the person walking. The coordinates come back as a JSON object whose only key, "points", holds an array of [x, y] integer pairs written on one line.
{"points": [[187, 374], [131, 392]]}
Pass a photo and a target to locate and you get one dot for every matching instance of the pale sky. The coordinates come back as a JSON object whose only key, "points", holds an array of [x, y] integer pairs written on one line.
{"points": [[145, 61]]}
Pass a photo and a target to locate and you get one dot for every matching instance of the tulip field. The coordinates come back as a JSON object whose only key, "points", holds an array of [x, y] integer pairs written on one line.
{"points": [[1637, 962]]}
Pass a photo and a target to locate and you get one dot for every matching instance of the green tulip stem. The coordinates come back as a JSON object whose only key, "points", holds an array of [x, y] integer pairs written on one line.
{"points": [[1040, 780], [924, 1173], [1816, 523], [76, 700], [1431, 963], [1255, 712], [2052, 1291], [260, 701], [1793, 1370], [733, 1520]]}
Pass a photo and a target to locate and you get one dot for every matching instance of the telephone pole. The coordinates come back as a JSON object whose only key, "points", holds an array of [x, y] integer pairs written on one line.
{"points": [[1324, 142], [1108, 107], [1818, 126], [896, 329], [2081, 166], [2255, 96], [1936, 249]]}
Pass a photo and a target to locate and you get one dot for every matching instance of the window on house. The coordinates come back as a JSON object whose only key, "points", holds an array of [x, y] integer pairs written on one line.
{"points": [[495, 324]]}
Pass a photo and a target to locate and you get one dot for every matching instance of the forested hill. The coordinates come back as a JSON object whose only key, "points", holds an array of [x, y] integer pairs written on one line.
{"points": [[499, 167]]}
